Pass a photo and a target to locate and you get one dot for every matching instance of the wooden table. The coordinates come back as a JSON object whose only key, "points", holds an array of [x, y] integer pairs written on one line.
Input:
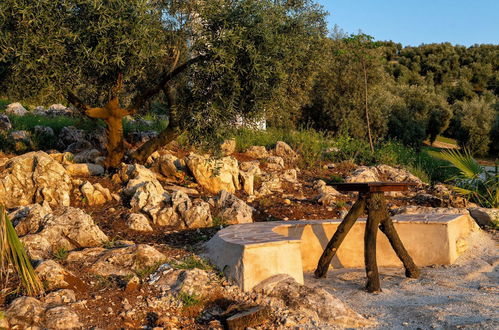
{"points": [[372, 200]]}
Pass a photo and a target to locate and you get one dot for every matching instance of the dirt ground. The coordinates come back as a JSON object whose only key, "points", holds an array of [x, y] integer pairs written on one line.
{"points": [[464, 295]]}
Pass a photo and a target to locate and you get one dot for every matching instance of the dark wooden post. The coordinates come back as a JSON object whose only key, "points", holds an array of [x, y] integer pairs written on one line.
{"points": [[340, 234], [374, 216]]}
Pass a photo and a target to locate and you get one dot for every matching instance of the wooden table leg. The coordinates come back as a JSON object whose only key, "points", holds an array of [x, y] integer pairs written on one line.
{"points": [[340, 234], [374, 217], [387, 227]]}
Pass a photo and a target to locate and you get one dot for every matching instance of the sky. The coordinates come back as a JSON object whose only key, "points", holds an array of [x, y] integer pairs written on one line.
{"points": [[413, 22]]}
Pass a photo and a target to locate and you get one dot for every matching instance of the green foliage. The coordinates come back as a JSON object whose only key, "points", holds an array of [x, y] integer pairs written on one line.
{"points": [[472, 124], [187, 299], [472, 180], [12, 254], [61, 254], [191, 262]]}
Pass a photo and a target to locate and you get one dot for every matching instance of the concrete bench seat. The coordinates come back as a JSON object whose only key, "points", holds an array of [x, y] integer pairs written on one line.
{"points": [[251, 253]]}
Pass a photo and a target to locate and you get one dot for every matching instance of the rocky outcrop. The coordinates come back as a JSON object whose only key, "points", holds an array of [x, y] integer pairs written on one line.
{"points": [[70, 230], [327, 194], [16, 109], [312, 303], [34, 178], [275, 163], [283, 150], [247, 173], [213, 174], [191, 281], [232, 210]]}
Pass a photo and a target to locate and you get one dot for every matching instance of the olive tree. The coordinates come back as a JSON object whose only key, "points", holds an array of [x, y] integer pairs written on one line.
{"points": [[211, 60]]}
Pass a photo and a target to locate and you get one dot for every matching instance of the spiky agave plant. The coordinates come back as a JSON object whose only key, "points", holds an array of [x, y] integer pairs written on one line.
{"points": [[473, 180], [12, 253]]}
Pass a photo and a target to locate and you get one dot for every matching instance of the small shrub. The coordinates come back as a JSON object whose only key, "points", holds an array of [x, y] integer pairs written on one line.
{"points": [[146, 271], [61, 254], [188, 300], [219, 222]]}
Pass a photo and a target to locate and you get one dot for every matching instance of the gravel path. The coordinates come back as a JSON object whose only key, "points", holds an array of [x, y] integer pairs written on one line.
{"points": [[463, 295]]}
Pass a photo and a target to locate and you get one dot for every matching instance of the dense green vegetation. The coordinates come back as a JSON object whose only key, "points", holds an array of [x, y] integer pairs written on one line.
{"points": [[207, 64]]}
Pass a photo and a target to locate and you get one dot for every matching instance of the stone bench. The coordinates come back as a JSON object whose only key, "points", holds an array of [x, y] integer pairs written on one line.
{"points": [[251, 253]]}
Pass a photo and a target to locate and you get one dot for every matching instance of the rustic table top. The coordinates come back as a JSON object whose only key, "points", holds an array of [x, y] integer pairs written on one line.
{"points": [[373, 186]]}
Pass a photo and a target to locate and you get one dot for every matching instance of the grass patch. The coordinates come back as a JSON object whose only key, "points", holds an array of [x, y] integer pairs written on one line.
{"points": [[191, 262]]}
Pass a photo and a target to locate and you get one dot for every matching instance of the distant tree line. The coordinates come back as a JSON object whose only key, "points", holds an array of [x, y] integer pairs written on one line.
{"points": [[206, 64]]}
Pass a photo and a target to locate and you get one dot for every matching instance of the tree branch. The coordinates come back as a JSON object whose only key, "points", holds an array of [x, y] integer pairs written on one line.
{"points": [[139, 100]]}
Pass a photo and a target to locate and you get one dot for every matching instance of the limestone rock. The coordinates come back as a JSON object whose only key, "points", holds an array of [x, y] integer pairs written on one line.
{"points": [[62, 317], [73, 229], [59, 110], [283, 150], [63, 157], [310, 302], [383, 173], [363, 174], [87, 169], [247, 173], [228, 147], [60, 297], [87, 156], [197, 216], [16, 109], [26, 219], [414, 209], [257, 152], [44, 131], [25, 312], [214, 175], [138, 222], [275, 163], [191, 281], [54, 276], [233, 210], [34, 178], [169, 166], [290, 175], [70, 135], [484, 216], [271, 183], [95, 194], [124, 261], [5, 124], [136, 176]]}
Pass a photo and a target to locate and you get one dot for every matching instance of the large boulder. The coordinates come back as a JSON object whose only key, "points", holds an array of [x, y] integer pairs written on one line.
{"points": [[138, 222], [16, 109], [95, 194], [34, 178], [70, 230], [215, 175], [315, 304], [232, 210], [169, 166]]}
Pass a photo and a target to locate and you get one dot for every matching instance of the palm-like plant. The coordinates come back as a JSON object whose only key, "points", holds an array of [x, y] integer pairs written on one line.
{"points": [[473, 179], [12, 253]]}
